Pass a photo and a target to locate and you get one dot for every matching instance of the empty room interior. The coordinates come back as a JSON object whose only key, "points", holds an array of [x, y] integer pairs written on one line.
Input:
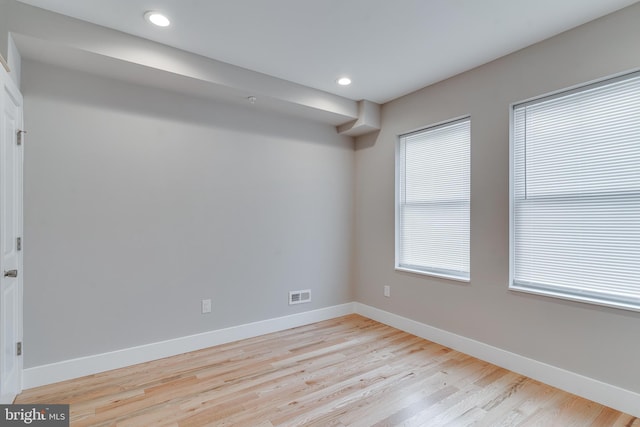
{"points": [[261, 213]]}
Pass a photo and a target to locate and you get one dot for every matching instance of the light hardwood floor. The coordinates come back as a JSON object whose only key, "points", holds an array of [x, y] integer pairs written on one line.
{"points": [[349, 371]]}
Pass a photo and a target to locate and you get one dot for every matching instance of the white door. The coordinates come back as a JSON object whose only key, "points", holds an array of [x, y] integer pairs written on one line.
{"points": [[11, 159]]}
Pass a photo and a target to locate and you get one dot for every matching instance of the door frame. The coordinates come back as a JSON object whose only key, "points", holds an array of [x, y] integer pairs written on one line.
{"points": [[10, 89]]}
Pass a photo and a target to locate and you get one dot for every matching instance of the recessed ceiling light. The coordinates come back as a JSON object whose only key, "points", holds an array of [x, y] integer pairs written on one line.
{"points": [[344, 81], [157, 18]]}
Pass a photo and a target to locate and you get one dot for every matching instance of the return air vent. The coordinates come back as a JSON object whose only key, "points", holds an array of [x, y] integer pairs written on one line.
{"points": [[299, 297]]}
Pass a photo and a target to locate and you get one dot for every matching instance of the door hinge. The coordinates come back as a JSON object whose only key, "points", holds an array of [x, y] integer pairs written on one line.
{"points": [[19, 349], [19, 134], [19, 243]]}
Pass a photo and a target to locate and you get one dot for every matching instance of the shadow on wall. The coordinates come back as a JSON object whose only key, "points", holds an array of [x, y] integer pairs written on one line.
{"points": [[173, 106], [366, 141]]}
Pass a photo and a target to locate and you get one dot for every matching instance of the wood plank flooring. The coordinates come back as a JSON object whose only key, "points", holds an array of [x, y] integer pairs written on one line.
{"points": [[349, 371]]}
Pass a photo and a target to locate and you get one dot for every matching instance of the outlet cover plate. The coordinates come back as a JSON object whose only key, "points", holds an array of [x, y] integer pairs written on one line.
{"points": [[206, 306]]}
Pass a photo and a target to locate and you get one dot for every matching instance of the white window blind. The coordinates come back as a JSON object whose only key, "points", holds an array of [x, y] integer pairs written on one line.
{"points": [[576, 194], [432, 217]]}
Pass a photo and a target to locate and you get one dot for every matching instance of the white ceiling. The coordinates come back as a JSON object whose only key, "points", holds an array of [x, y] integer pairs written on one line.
{"points": [[388, 47]]}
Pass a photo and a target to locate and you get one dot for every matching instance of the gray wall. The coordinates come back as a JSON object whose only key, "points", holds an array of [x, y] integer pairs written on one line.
{"points": [[140, 203], [4, 29], [598, 342]]}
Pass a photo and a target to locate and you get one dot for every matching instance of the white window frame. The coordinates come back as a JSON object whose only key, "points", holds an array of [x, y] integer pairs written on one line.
{"points": [[422, 270], [540, 289]]}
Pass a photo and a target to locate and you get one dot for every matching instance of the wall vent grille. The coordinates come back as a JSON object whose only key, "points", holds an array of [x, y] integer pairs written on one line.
{"points": [[299, 297]]}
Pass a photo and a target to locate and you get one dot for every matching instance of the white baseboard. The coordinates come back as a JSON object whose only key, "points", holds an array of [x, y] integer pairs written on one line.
{"points": [[589, 388], [75, 368]]}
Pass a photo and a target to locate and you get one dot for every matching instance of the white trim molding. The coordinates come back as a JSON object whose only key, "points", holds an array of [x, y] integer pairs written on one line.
{"points": [[589, 388], [4, 64], [75, 368]]}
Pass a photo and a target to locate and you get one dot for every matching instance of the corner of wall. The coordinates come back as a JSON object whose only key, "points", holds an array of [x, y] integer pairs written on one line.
{"points": [[14, 61], [4, 33]]}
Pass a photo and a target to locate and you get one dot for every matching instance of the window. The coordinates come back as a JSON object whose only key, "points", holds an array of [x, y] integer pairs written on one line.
{"points": [[575, 219], [432, 209]]}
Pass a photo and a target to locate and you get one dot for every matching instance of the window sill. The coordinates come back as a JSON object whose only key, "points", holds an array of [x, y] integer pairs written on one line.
{"points": [[585, 299], [434, 274]]}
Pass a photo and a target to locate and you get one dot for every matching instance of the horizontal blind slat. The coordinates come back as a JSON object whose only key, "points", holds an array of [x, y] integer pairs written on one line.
{"points": [[576, 194], [433, 199]]}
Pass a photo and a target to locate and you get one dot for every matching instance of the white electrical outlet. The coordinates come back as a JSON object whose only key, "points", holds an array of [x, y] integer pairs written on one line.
{"points": [[387, 291], [206, 306]]}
